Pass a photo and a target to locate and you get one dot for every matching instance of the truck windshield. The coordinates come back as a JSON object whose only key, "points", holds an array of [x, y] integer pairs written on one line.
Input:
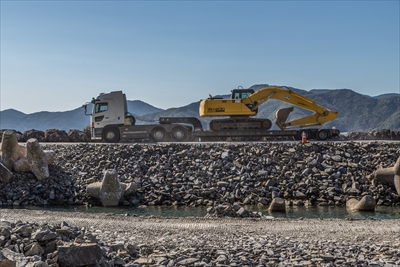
{"points": [[100, 107]]}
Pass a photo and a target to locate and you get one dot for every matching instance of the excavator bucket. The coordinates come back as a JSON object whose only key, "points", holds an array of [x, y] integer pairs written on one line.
{"points": [[281, 117]]}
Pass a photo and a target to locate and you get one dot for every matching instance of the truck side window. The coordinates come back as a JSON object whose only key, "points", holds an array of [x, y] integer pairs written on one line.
{"points": [[101, 107]]}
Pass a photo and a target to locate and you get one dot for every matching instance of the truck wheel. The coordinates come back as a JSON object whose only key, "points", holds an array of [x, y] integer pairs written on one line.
{"points": [[159, 134], [111, 135], [179, 134], [322, 135]]}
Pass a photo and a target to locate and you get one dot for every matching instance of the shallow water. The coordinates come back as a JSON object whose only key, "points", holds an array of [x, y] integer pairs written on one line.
{"points": [[381, 212]]}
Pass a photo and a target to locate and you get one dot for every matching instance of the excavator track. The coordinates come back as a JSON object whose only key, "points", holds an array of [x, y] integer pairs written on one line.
{"points": [[240, 123]]}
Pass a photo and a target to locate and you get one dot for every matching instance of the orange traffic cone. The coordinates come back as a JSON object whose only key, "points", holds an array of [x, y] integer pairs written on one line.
{"points": [[303, 137]]}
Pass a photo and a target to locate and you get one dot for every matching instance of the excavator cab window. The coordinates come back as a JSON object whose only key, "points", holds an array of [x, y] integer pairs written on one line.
{"points": [[241, 93]]}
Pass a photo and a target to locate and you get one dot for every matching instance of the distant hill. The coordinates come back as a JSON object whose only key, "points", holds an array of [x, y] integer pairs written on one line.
{"points": [[386, 96], [320, 91], [357, 112]]}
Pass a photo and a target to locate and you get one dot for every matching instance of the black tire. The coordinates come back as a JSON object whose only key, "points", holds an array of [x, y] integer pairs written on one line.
{"points": [[179, 134], [300, 134], [111, 135], [159, 134], [322, 135]]}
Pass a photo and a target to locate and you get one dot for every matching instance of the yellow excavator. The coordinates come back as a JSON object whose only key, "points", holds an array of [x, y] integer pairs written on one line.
{"points": [[245, 103]]}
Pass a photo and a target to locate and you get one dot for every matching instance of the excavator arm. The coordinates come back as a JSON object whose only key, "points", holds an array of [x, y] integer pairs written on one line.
{"points": [[239, 109], [320, 116]]}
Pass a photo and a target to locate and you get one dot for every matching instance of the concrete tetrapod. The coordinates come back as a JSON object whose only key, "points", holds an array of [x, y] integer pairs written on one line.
{"points": [[389, 175], [110, 191], [11, 151], [5, 174], [36, 160], [396, 171], [277, 204], [364, 204]]}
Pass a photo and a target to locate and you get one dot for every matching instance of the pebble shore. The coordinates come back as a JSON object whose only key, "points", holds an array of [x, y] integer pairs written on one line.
{"points": [[147, 241]]}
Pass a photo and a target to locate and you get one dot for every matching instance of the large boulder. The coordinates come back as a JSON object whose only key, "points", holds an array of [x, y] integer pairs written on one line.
{"points": [[78, 136], [37, 134], [85, 254], [54, 135]]}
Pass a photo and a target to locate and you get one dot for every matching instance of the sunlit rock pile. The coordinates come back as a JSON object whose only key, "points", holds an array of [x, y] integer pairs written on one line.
{"points": [[326, 173], [231, 211], [51, 135], [374, 135], [74, 135]]}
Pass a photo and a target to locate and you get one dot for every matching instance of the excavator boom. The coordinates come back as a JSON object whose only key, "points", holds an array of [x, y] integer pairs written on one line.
{"points": [[249, 104]]}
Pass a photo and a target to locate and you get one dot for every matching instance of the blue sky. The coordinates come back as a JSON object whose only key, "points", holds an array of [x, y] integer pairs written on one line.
{"points": [[57, 55]]}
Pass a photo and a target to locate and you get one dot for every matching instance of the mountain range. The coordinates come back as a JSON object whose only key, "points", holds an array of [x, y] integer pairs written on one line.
{"points": [[357, 112]]}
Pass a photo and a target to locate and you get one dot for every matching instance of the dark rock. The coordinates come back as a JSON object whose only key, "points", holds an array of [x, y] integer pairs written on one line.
{"points": [[39, 135], [78, 136], [54, 135], [79, 254]]}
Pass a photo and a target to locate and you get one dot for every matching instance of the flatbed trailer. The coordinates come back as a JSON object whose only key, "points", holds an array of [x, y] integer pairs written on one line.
{"points": [[189, 129]]}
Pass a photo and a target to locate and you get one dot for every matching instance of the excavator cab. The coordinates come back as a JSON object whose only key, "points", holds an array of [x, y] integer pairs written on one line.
{"points": [[241, 93]]}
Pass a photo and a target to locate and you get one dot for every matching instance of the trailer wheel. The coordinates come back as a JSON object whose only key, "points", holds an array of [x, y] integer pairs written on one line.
{"points": [[179, 134], [322, 135], [300, 134], [159, 134], [111, 135]]}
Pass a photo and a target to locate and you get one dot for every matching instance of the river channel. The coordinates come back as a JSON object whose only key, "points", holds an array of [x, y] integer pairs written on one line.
{"points": [[381, 212]]}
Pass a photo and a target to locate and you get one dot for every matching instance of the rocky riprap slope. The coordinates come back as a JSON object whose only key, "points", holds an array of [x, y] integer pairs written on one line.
{"points": [[73, 135], [317, 173]]}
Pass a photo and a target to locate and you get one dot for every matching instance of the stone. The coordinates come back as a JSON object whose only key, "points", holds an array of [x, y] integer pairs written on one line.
{"points": [[36, 160], [55, 135], [78, 136], [188, 262], [7, 263], [79, 254], [277, 204], [34, 249], [5, 174], [18, 259], [11, 151], [367, 203], [39, 135]]}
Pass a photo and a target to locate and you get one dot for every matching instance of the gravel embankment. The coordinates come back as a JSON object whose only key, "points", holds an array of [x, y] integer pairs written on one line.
{"points": [[317, 173], [229, 242]]}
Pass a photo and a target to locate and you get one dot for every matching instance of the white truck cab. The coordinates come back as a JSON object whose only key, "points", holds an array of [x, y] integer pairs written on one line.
{"points": [[109, 110]]}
